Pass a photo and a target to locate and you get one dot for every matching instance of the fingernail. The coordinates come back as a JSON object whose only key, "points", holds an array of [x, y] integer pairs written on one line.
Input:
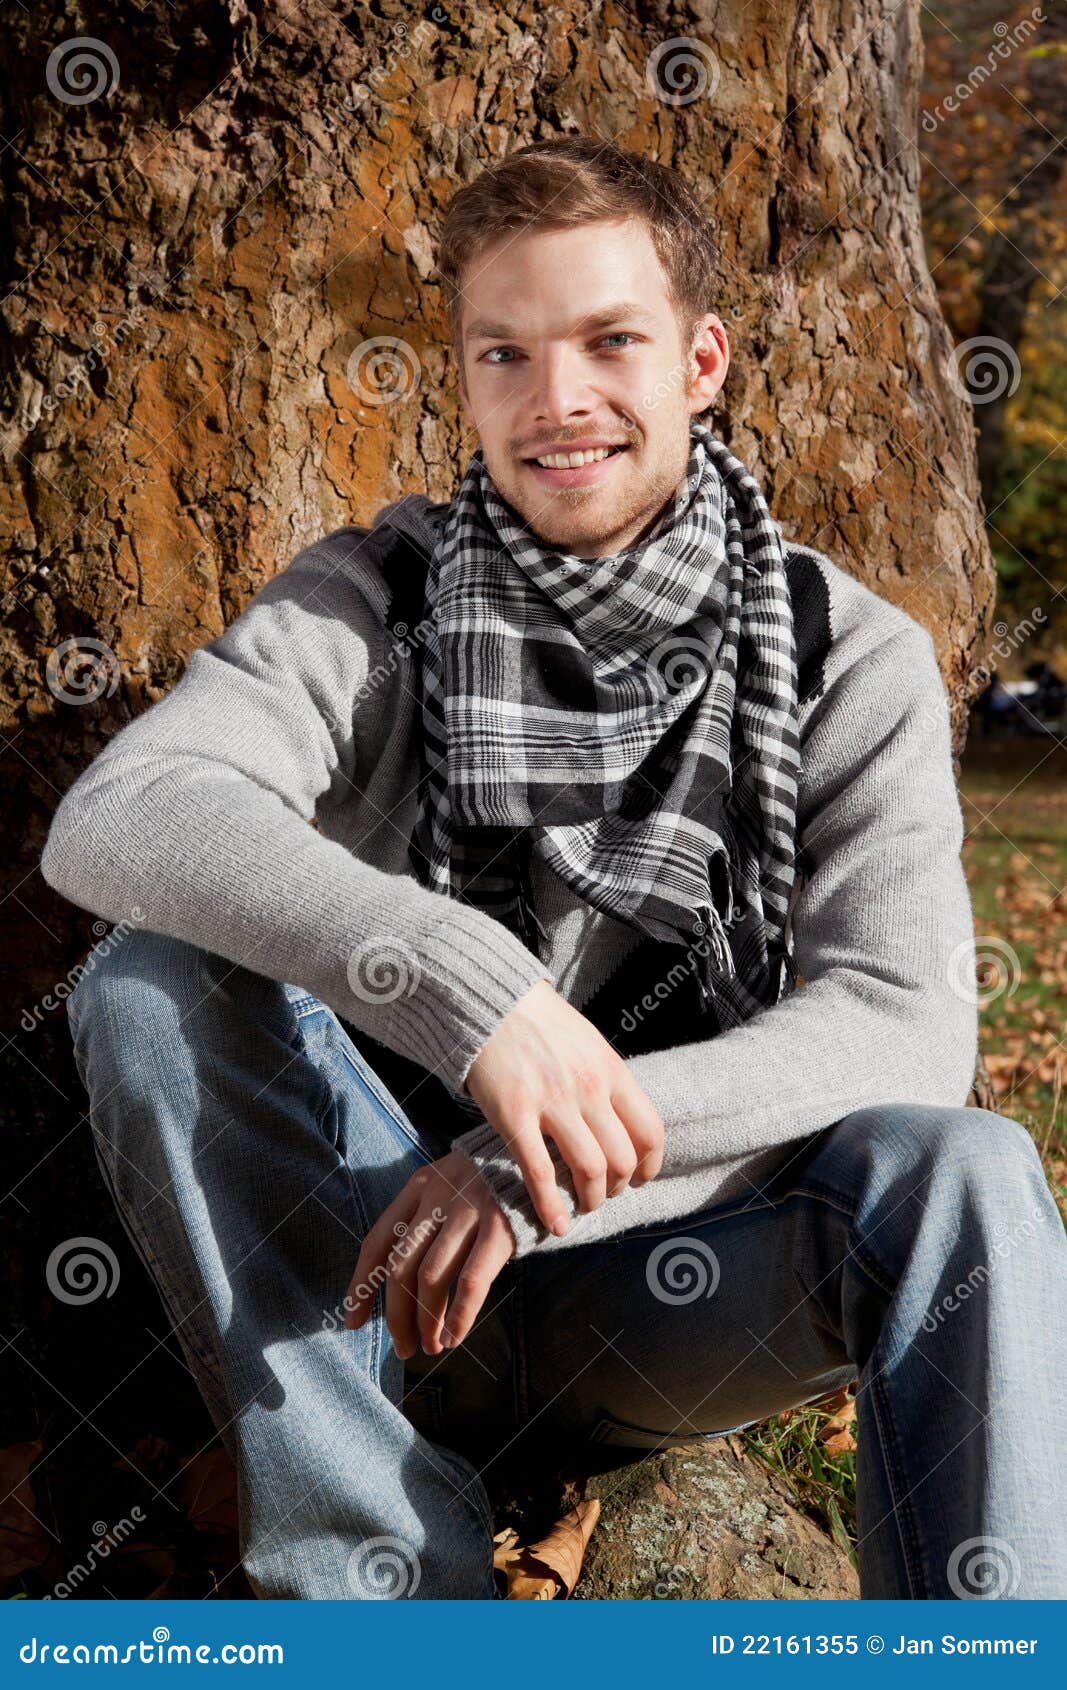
{"points": [[560, 1225], [446, 1338]]}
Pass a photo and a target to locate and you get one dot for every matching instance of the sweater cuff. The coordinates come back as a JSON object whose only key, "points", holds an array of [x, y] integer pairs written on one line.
{"points": [[500, 1172], [465, 973]]}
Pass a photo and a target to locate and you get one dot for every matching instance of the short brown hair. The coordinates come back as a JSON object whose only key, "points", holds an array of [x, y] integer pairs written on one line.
{"points": [[558, 184]]}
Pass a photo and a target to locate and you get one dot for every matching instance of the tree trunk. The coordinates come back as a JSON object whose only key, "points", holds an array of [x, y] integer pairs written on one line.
{"points": [[217, 217]]}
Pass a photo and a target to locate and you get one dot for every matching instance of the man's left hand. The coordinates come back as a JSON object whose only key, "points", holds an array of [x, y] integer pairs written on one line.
{"points": [[445, 1228]]}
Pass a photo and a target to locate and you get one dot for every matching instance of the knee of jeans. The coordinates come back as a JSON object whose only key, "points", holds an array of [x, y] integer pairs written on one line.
{"points": [[923, 1138], [142, 985]]}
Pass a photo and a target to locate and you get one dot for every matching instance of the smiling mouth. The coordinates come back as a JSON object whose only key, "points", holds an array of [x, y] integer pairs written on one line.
{"points": [[576, 460]]}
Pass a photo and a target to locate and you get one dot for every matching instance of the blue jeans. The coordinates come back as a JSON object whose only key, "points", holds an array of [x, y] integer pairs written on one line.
{"points": [[248, 1146]]}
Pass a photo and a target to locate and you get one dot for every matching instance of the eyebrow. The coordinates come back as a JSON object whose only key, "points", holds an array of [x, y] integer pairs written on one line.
{"points": [[482, 329]]}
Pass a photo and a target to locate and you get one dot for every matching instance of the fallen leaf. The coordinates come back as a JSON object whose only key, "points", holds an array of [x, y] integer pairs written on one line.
{"points": [[837, 1443], [841, 1404], [541, 1571], [837, 1436]]}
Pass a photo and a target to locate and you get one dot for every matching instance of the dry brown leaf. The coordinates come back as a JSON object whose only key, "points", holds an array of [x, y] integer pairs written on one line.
{"points": [[837, 1436], [551, 1567], [841, 1404], [837, 1442]]}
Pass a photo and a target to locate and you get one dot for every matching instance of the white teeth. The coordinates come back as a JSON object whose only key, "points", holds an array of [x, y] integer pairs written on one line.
{"points": [[574, 460]]}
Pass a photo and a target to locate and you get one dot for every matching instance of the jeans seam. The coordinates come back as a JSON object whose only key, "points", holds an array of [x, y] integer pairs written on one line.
{"points": [[139, 1238], [389, 1112], [472, 1493], [881, 1407], [328, 1099]]}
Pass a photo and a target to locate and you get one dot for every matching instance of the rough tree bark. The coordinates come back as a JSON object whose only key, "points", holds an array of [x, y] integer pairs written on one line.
{"points": [[213, 220]]}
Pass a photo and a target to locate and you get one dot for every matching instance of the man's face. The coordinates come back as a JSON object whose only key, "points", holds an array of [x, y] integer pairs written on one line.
{"points": [[569, 336]]}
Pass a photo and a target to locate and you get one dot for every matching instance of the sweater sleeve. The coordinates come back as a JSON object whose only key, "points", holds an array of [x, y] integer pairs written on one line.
{"points": [[884, 940], [197, 814]]}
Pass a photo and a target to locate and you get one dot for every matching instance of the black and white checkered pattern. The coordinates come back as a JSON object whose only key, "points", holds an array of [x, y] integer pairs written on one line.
{"points": [[631, 718]]}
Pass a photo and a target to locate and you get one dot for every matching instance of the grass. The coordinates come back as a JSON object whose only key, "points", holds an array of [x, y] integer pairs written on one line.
{"points": [[1013, 795]]}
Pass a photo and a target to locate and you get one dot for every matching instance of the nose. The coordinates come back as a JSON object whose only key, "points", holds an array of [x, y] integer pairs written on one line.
{"points": [[562, 392]]}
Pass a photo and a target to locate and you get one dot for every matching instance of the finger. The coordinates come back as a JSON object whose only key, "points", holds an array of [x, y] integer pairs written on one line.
{"points": [[527, 1145], [643, 1124], [439, 1268], [373, 1254], [401, 1288], [611, 1135], [581, 1152], [490, 1250]]}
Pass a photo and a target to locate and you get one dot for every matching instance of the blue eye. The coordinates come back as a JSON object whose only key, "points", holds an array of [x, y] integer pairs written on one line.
{"points": [[619, 334]]}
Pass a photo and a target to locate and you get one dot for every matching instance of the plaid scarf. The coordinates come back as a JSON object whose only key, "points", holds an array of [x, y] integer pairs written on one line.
{"points": [[631, 718]]}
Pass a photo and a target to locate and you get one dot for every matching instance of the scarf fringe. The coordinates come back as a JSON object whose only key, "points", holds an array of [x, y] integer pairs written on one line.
{"points": [[720, 959]]}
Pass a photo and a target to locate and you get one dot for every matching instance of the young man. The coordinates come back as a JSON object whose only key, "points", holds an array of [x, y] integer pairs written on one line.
{"points": [[634, 1006]]}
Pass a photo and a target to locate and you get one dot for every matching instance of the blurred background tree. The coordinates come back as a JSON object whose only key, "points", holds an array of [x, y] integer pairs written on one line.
{"points": [[994, 198]]}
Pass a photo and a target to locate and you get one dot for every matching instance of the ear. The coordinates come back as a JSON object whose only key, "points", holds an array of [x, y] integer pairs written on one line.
{"points": [[708, 362]]}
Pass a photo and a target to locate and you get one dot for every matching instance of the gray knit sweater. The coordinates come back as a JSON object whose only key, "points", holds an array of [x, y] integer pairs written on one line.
{"points": [[198, 811]]}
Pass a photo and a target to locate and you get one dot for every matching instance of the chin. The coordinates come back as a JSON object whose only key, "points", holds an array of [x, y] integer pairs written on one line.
{"points": [[563, 535]]}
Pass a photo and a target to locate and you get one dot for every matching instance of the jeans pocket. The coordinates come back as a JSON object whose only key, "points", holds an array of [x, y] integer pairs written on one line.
{"points": [[422, 1405]]}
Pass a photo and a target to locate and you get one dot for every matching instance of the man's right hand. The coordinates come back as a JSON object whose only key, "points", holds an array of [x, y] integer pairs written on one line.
{"points": [[548, 1073]]}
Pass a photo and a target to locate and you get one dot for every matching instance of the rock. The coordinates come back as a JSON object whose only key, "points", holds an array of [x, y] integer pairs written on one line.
{"points": [[705, 1520]]}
